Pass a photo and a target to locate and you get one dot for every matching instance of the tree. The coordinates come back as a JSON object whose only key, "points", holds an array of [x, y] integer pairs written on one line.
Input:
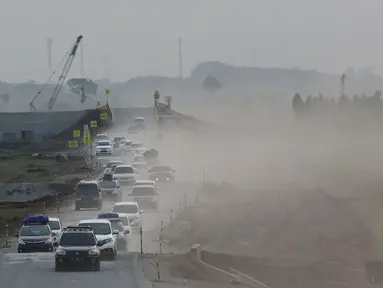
{"points": [[211, 84]]}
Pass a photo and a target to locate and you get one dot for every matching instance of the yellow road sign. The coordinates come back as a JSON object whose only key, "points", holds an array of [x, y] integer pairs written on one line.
{"points": [[76, 133], [73, 144], [107, 91], [93, 124], [103, 115]]}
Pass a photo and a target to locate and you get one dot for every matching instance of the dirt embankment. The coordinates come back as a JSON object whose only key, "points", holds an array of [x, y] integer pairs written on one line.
{"points": [[292, 236]]}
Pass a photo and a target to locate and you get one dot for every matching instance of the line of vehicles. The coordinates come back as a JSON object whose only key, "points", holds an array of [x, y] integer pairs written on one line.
{"points": [[93, 240]]}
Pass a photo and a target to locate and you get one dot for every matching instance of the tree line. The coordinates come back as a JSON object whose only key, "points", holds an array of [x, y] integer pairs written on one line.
{"points": [[361, 107]]}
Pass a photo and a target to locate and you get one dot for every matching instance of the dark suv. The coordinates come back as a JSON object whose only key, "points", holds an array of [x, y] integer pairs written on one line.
{"points": [[88, 195], [77, 249]]}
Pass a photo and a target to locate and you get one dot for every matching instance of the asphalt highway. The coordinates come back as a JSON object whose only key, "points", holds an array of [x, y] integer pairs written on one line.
{"points": [[36, 270]]}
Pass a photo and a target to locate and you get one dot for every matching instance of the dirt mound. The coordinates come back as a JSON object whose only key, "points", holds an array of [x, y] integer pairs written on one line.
{"points": [[288, 225]]}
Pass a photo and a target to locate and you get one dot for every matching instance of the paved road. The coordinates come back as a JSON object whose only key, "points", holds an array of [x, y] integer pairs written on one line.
{"points": [[35, 270]]}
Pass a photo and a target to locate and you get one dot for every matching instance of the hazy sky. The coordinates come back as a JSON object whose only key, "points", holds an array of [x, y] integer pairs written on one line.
{"points": [[125, 38]]}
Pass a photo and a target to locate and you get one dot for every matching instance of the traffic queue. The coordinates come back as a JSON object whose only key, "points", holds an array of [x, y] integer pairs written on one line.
{"points": [[100, 238]]}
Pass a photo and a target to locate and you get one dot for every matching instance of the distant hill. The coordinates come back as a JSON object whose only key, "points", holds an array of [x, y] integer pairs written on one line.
{"points": [[235, 82]]}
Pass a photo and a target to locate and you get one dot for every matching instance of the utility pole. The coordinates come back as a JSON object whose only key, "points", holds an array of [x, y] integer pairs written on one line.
{"points": [[180, 57], [49, 46]]}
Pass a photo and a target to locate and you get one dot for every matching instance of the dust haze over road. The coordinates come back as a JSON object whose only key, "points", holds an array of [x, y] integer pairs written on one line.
{"points": [[296, 191]]}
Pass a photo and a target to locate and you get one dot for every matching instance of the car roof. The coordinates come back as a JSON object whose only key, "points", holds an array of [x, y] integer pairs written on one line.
{"points": [[94, 221], [143, 186], [88, 182], [167, 166], [116, 161], [102, 134], [125, 203], [124, 166], [138, 162], [144, 181], [53, 219]]}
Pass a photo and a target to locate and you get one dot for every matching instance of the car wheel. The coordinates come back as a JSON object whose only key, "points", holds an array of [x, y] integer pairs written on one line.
{"points": [[19, 251], [76, 208], [113, 256], [97, 266]]}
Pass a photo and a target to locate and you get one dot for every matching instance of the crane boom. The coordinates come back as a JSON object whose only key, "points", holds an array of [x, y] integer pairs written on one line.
{"points": [[69, 56], [64, 73]]}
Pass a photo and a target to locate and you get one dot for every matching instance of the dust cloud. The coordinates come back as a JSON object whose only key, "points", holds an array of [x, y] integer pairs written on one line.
{"points": [[297, 186]]}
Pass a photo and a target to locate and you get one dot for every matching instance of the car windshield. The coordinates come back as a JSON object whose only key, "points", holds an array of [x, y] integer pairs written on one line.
{"points": [[129, 209], [101, 137], [157, 169], [124, 170], [87, 189], [35, 230], [144, 183], [117, 225], [136, 145], [118, 138], [111, 163], [55, 225], [103, 143], [98, 228], [108, 184], [143, 191], [77, 239], [125, 221], [139, 120]]}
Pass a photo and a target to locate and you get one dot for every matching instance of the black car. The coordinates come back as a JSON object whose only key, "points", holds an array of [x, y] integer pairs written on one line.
{"points": [[161, 173], [77, 249]]}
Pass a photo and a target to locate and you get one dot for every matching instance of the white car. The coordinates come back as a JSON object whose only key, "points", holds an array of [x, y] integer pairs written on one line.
{"points": [[105, 235], [131, 209], [125, 221], [104, 148], [57, 229], [100, 137], [145, 196], [125, 174], [146, 183], [108, 167], [124, 232]]}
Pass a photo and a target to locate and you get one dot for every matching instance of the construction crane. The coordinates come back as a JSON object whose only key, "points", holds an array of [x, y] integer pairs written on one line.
{"points": [[69, 57]]}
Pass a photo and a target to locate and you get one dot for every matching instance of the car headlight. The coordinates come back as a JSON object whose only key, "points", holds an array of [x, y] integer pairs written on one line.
{"points": [[168, 179], [48, 241], [21, 241], [156, 179], [61, 252], [105, 241], [93, 252]]}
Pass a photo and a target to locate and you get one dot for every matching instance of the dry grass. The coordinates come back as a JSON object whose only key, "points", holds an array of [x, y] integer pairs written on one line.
{"points": [[25, 168]]}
